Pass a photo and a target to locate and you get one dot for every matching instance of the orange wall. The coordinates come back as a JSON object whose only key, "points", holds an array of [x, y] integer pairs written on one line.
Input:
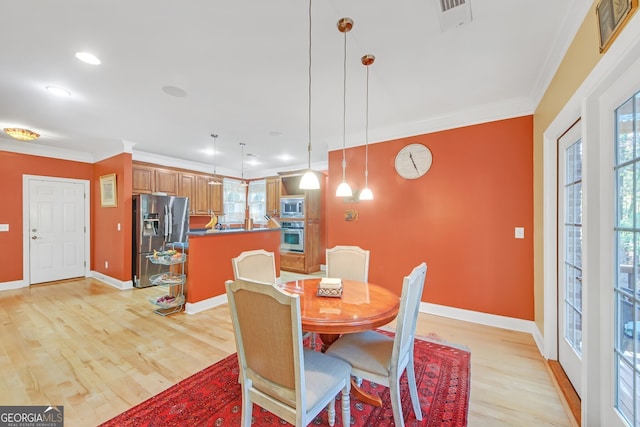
{"points": [[459, 218], [109, 244], [12, 167], [210, 259]]}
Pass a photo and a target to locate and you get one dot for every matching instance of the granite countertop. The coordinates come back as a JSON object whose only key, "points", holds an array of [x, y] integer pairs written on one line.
{"points": [[213, 232]]}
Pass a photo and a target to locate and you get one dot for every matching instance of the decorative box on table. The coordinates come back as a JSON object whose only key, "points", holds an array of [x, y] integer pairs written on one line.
{"points": [[330, 287]]}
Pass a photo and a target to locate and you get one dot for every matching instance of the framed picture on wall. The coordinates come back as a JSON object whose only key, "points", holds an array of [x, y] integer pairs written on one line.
{"points": [[108, 191], [612, 15]]}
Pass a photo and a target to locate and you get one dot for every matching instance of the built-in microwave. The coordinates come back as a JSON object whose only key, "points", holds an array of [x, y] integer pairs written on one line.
{"points": [[292, 236], [291, 207]]}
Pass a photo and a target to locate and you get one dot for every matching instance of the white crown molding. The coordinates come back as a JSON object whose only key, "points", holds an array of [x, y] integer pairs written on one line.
{"points": [[562, 42], [516, 107], [35, 149]]}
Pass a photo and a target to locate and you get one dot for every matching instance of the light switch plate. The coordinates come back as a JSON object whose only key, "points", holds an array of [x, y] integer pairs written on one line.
{"points": [[519, 232], [4, 227]]}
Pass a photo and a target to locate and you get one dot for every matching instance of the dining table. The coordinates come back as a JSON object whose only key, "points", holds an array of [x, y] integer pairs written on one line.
{"points": [[361, 306]]}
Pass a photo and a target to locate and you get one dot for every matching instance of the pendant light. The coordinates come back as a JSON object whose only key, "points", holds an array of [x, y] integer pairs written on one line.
{"points": [[243, 183], [309, 180], [344, 26], [214, 180], [366, 194]]}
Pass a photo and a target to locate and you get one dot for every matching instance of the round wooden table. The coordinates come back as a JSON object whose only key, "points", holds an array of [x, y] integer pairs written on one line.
{"points": [[363, 306]]}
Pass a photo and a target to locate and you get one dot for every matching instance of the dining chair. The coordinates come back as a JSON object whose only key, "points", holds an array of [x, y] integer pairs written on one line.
{"points": [[276, 372], [382, 359], [348, 262], [257, 265]]}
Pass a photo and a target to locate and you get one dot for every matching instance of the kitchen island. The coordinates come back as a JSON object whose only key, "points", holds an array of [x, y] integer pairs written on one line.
{"points": [[210, 255]]}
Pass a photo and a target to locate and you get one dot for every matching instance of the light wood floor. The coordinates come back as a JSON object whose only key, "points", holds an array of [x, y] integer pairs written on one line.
{"points": [[99, 351]]}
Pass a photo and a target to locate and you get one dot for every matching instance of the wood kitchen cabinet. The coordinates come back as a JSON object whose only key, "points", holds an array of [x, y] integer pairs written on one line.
{"points": [[142, 179], [215, 199], [311, 259], [187, 188], [273, 196], [201, 201], [166, 181]]}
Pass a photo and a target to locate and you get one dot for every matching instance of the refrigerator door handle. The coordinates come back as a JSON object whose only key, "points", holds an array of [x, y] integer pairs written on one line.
{"points": [[169, 238], [166, 223]]}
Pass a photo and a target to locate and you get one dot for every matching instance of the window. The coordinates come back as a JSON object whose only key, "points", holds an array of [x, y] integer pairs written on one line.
{"points": [[235, 200], [257, 200], [627, 238]]}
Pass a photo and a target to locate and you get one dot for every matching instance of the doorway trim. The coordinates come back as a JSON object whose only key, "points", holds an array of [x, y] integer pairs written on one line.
{"points": [[26, 272], [585, 103]]}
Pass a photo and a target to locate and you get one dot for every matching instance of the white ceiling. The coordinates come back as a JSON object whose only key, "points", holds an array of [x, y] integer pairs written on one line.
{"points": [[244, 68]]}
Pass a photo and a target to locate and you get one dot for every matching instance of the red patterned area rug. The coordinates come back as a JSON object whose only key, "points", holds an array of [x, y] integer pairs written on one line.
{"points": [[212, 397]]}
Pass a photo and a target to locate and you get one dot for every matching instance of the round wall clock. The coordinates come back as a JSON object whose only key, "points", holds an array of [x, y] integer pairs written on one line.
{"points": [[413, 161]]}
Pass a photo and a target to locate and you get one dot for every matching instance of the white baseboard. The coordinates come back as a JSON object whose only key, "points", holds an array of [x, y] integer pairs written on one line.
{"points": [[118, 284], [197, 307], [16, 284], [494, 320]]}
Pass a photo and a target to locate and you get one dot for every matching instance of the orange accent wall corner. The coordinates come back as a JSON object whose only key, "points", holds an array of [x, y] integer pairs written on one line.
{"points": [[459, 218]]}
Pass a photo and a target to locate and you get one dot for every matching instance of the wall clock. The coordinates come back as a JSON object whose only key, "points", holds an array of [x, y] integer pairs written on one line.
{"points": [[413, 161]]}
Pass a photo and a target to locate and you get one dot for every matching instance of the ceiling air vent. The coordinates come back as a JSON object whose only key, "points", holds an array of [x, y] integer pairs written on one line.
{"points": [[454, 13]]}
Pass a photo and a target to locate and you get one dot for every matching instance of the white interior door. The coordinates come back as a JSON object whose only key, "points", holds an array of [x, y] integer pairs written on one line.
{"points": [[570, 255], [56, 230]]}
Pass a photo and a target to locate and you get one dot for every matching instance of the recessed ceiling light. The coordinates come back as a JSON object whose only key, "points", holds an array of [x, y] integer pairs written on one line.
{"points": [[58, 91], [88, 58], [174, 91]]}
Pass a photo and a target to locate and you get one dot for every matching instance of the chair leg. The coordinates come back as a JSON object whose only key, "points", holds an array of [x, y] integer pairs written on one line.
{"points": [[247, 409], [346, 404], [396, 405], [332, 412], [413, 390]]}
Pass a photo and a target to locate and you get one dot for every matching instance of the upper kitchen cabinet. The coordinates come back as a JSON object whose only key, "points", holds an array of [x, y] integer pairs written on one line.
{"points": [[187, 188], [200, 204], [215, 198], [142, 179], [166, 181], [273, 196]]}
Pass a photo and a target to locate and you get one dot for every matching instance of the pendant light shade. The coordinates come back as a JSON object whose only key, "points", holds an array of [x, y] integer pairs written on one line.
{"points": [[366, 194], [344, 190], [309, 180]]}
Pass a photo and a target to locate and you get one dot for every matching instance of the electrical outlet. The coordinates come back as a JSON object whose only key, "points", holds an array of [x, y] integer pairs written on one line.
{"points": [[519, 232], [4, 227], [106, 264]]}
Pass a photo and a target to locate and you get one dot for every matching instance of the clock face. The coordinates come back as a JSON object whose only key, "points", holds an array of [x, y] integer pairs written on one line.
{"points": [[413, 161]]}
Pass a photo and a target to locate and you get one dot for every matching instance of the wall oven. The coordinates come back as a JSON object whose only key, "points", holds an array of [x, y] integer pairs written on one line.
{"points": [[292, 237]]}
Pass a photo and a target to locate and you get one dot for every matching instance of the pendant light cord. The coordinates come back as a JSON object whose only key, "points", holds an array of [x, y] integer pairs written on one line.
{"points": [[366, 136], [309, 94], [344, 108]]}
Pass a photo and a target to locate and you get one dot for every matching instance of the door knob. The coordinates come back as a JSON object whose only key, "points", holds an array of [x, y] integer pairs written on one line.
{"points": [[34, 237]]}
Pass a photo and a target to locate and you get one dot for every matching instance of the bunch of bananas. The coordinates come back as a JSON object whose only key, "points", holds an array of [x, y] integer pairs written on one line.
{"points": [[212, 223]]}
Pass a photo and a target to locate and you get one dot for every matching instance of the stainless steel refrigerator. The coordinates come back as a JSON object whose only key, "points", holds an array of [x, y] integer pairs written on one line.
{"points": [[158, 221]]}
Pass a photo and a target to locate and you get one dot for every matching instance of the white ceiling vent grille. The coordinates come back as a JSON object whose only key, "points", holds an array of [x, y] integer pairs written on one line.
{"points": [[454, 13]]}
